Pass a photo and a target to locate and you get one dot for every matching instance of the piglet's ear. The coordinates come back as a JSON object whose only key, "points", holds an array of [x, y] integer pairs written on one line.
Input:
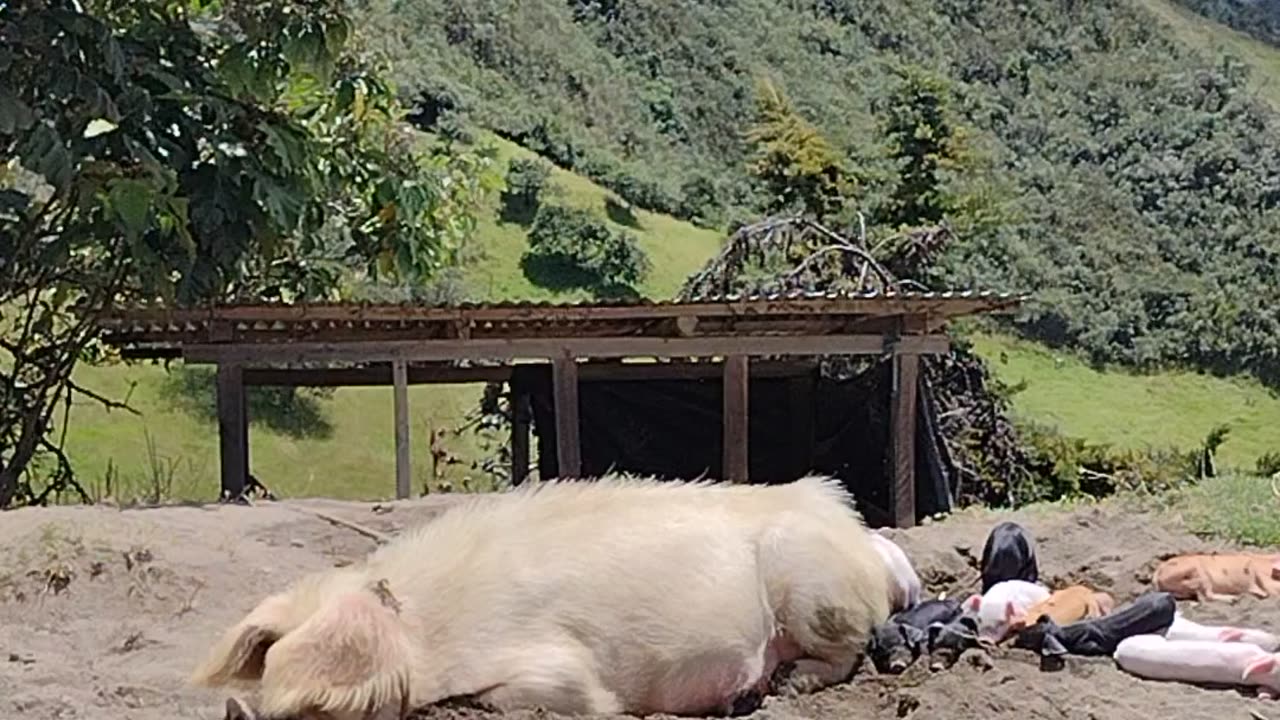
{"points": [[1230, 635], [1264, 664], [1009, 611], [973, 602]]}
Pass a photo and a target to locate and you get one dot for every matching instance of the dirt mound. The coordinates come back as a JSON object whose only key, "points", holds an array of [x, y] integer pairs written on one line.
{"points": [[103, 612]]}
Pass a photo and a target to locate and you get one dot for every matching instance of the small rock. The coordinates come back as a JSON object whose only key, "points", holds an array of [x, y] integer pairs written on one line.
{"points": [[297, 543], [380, 509]]}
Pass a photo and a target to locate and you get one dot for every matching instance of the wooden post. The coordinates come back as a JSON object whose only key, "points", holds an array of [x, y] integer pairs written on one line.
{"points": [[519, 437], [903, 439], [736, 453], [564, 376], [233, 431], [400, 381]]}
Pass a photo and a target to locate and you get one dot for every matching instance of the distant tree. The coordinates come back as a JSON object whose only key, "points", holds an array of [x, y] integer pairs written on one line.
{"points": [[798, 167], [192, 150], [924, 143]]}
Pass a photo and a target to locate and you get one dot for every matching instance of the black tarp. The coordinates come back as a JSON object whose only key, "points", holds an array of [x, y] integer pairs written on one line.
{"points": [[672, 429]]}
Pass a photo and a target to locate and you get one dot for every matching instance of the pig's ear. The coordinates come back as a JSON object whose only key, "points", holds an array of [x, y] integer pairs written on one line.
{"points": [[353, 654], [973, 602], [1010, 612], [1264, 664], [240, 653], [1230, 635]]}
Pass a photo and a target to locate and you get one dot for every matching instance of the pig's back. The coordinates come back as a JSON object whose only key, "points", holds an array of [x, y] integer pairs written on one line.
{"points": [[638, 573]]}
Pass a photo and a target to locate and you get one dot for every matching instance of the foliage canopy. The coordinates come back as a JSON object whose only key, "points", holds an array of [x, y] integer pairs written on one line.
{"points": [[193, 151]]}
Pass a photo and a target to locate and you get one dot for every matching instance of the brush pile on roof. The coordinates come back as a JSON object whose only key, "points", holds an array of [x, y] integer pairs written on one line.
{"points": [[987, 462]]}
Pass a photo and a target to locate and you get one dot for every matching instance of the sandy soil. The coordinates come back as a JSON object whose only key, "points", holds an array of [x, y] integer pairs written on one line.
{"points": [[103, 612]]}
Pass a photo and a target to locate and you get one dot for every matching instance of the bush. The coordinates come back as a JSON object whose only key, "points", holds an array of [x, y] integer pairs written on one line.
{"points": [[528, 180], [1269, 464], [572, 247], [1063, 466]]}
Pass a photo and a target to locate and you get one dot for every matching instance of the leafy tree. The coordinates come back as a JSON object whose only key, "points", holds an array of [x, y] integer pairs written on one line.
{"points": [[192, 151], [796, 164]]}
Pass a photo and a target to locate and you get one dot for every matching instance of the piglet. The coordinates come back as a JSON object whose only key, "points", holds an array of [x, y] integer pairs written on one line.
{"points": [[1212, 576], [1008, 554], [905, 587], [998, 609], [1199, 661], [1184, 629], [898, 642], [1150, 613]]}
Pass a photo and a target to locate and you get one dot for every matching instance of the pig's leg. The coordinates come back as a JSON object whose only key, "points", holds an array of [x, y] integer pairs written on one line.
{"points": [[828, 610]]}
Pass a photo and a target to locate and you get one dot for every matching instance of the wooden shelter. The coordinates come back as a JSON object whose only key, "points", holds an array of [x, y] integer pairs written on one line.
{"points": [[399, 345]]}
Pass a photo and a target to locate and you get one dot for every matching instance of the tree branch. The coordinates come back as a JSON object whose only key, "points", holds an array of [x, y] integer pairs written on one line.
{"points": [[108, 403]]}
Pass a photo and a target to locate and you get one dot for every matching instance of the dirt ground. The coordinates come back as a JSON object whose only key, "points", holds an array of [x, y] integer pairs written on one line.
{"points": [[104, 612]]}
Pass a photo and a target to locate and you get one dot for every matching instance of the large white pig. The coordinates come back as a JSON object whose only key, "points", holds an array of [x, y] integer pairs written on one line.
{"points": [[1000, 607], [620, 595], [1199, 661], [904, 584], [1184, 629]]}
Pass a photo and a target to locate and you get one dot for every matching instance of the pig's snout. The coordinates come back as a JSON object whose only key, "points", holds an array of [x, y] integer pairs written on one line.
{"points": [[897, 665]]}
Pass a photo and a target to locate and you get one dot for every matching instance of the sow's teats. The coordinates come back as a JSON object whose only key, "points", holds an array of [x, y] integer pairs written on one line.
{"points": [[1150, 613], [898, 642], [614, 596], [1008, 554]]}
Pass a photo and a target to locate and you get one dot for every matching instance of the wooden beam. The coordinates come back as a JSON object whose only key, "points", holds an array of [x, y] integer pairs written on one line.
{"points": [[735, 418], [404, 475], [233, 431], [564, 376], [520, 412], [380, 375], [613, 347], [903, 439]]}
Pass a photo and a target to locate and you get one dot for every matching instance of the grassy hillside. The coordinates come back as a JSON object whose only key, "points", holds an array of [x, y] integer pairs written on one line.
{"points": [[675, 248], [1135, 181], [1132, 410], [1140, 187]]}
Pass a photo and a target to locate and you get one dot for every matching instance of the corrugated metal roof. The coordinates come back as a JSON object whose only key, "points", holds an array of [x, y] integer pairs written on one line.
{"points": [[928, 295]]}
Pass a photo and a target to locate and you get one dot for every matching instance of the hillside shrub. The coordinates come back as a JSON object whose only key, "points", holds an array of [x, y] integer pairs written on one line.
{"points": [[1064, 466], [573, 247], [527, 179]]}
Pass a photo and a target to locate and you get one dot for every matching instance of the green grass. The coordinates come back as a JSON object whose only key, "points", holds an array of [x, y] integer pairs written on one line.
{"points": [[356, 462], [1131, 410], [1237, 507], [676, 249], [1214, 38]]}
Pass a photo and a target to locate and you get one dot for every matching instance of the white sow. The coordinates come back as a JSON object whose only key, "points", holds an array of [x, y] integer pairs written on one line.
{"points": [[614, 596]]}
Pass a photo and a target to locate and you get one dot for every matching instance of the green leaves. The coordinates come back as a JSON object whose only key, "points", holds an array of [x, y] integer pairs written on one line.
{"points": [[130, 200]]}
